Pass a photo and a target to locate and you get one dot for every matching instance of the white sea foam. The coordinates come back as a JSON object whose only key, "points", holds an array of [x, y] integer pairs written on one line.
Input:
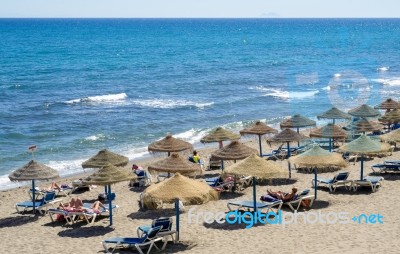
{"points": [[108, 98], [383, 68], [95, 137], [291, 94], [169, 103], [337, 75], [389, 82], [327, 88]]}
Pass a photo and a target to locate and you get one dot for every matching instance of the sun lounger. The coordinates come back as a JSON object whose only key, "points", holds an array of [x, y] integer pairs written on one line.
{"points": [[217, 184], [165, 231], [249, 205], [369, 181], [148, 240], [64, 190], [74, 216], [383, 168], [40, 205], [295, 204], [338, 180]]}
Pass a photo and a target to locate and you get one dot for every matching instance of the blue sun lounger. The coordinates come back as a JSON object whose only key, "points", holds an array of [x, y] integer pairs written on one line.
{"points": [[148, 240], [40, 205], [369, 181], [249, 205], [383, 168], [338, 180], [166, 229]]}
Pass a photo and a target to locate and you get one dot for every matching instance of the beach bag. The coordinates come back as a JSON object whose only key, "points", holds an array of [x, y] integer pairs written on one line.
{"points": [[306, 203], [60, 217]]}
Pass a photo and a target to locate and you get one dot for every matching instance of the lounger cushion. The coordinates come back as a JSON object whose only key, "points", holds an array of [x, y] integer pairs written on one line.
{"points": [[268, 198]]}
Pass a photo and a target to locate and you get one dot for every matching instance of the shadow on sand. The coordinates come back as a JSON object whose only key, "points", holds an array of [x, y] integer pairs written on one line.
{"points": [[17, 221]]}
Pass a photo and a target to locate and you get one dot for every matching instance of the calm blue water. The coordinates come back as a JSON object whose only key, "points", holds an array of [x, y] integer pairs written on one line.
{"points": [[74, 86]]}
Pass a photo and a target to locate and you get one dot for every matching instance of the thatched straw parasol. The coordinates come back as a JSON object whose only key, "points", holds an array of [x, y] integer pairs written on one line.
{"points": [[169, 144], [334, 113], [297, 121], [259, 129], [391, 117], [316, 157], [174, 164], [256, 166], [219, 135], [287, 136], [330, 131], [364, 111], [364, 145], [189, 191], [393, 136], [31, 172], [107, 175], [388, 104], [363, 125], [104, 157], [234, 151]]}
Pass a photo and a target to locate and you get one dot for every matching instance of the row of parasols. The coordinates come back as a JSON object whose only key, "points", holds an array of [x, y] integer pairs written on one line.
{"points": [[110, 164]]}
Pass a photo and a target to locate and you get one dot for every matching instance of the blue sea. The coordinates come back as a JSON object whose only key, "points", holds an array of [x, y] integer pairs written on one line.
{"points": [[75, 86]]}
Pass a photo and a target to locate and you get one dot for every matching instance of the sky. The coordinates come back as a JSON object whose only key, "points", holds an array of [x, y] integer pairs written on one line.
{"points": [[199, 8]]}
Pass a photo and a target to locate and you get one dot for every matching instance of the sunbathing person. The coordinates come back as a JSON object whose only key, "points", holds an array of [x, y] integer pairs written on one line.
{"points": [[73, 205], [95, 207], [283, 195], [54, 186]]}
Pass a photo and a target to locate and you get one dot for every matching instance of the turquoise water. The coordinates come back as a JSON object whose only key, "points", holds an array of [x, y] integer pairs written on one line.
{"points": [[74, 86]]}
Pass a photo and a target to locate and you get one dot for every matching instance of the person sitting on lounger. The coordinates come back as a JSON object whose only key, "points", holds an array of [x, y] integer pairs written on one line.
{"points": [[54, 186], [282, 195]]}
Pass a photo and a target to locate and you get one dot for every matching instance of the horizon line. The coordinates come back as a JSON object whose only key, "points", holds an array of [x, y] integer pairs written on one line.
{"points": [[199, 17]]}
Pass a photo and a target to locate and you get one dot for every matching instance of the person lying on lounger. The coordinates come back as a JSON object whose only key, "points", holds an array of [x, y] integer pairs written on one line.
{"points": [[76, 205], [283, 195]]}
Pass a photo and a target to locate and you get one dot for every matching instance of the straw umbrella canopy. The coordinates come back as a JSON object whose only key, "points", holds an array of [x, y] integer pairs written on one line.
{"points": [[363, 125], [393, 136], [297, 121], [334, 113], [169, 144], [391, 117], [364, 145], [364, 111], [104, 157], [330, 131], [287, 136], [256, 167], [33, 171], [107, 175], [316, 157], [234, 151], [174, 164], [388, 104], [189, 191], [218, 135], [259, 128]]}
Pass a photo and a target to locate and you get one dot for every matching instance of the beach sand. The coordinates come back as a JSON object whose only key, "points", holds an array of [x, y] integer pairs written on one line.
{"points": [[23, 233]]}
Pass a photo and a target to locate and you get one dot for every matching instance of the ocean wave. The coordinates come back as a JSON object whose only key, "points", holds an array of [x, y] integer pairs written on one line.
{"points": [[170, 104], [95, 137], [389, 82], [383, 68], [337, 75], [291, 94], [100, 99]]}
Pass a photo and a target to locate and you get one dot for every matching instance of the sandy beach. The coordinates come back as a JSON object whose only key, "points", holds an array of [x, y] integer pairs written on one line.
{"points": [[23, 233]]}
